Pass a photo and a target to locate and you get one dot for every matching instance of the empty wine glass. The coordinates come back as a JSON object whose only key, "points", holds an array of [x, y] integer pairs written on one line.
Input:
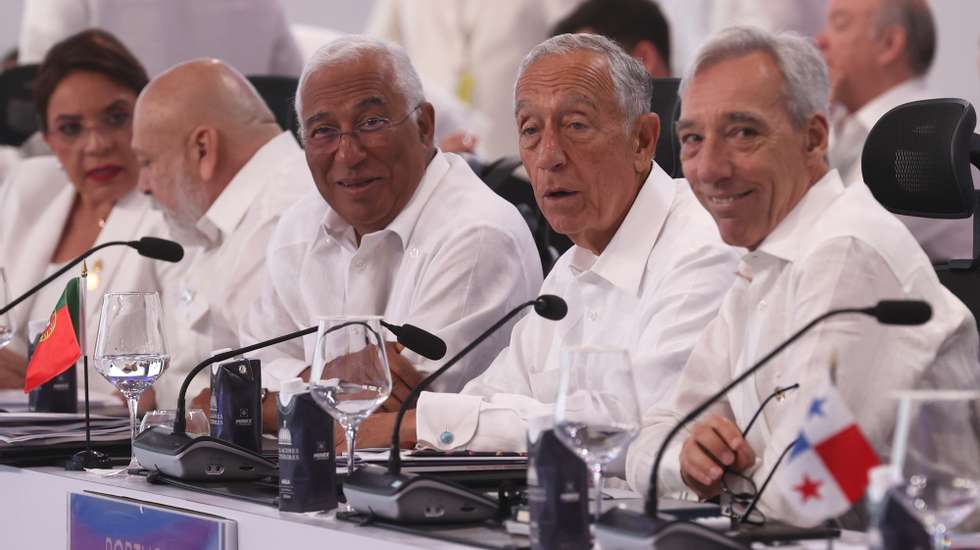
{"points": [[596, 410], [6, 329], [131, 350], [350, 377], [937, 453], [197, 422]]}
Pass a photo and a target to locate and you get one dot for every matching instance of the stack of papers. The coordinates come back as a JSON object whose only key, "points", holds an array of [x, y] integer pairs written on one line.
{"points": [[24, 430]]}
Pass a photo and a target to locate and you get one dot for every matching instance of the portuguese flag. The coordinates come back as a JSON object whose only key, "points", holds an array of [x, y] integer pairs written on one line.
{"points": [[56, 349]]}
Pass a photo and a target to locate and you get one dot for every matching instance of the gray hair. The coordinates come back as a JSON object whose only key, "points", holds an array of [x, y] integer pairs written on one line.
{"points": [[806, 86], [633, 86], [915, 17], [354, 47]]}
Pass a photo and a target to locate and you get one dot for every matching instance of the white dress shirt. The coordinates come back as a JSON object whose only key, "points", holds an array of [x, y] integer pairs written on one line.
{"points": [[34, 206], [453, 261], [448, 38], [225, 261], [651, 291], [250, 35], [838, 248], [942, 239]]}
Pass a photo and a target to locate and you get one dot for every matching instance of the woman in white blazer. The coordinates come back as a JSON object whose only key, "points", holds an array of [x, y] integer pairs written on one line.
{"points": [[54, 208]]}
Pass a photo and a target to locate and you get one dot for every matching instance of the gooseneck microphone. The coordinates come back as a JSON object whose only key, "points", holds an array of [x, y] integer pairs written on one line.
{"points": [[392, 495], [623, 529], [151, 247], [422, 342]]}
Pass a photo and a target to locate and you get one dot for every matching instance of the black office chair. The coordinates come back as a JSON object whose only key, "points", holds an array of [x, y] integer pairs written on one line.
{"points": [[279, 93], [18, 116], [667, 104], [499, 176], [916, 161]]}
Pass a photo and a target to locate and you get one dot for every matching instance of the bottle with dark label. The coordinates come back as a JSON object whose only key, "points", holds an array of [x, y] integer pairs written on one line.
{"points": [[557, 491], [236, 403], [307, 463]]}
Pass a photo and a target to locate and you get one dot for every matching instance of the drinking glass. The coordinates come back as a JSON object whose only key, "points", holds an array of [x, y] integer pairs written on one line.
{"points": [[596, 410], [6, 329], [197, 422], [350, 377], [936, 451], [131, 350]]}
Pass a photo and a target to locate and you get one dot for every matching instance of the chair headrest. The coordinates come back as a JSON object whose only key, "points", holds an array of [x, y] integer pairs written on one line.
{"points": [[916, 160]]}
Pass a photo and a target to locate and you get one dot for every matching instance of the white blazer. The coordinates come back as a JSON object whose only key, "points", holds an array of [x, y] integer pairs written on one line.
{"points": [[34, 205]]}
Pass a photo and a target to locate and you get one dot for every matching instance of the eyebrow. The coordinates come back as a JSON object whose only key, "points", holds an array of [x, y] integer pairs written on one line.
{"points": [[371, 101], [73, 117], [571, 100], [735, 116]]}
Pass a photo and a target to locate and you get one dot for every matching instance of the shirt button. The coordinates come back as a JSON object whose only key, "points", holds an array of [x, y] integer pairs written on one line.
{"points": [[414, 252], [186, 296], [446, 438], [763, 304], [359, 264], [593, 315]]}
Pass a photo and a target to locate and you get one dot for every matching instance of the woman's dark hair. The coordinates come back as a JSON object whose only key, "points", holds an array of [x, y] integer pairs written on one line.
{"points": [[91, 50]]}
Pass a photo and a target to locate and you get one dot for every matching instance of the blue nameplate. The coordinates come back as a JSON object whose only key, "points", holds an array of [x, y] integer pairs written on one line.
{"points": [[114, 523]]}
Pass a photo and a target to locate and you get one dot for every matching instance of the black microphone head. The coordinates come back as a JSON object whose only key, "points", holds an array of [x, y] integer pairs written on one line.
{"points": [[551, 307], [902, 312], [159, 249], [421, 341]]}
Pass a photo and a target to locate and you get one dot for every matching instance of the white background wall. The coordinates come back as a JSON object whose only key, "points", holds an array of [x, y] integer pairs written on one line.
{"points": [[955, 73]]}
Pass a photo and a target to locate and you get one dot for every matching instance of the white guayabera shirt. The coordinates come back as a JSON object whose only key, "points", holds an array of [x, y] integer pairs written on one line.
{"points": [[454, 260], [651, 291], [838, 248]]}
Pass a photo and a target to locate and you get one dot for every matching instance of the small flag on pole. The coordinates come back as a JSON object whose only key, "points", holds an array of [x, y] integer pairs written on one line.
{"points": [[56, 349], [826, 471]]}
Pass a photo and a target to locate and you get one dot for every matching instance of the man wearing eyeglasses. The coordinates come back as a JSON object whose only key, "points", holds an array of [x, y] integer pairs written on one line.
{"points": [[394, 227], [753, 128]]}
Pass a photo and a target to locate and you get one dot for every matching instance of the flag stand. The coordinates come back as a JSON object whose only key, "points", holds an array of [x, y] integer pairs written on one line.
{"points": [[87, 458]]}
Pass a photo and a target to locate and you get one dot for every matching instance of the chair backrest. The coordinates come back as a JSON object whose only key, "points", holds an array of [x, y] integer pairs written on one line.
{"points": [[279, 92], [667, 105], [499, 176], [18, 115]]}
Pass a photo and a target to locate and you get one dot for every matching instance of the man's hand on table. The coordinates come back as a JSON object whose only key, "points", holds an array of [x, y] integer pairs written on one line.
{"points": [[713, 444], [12, 369]]}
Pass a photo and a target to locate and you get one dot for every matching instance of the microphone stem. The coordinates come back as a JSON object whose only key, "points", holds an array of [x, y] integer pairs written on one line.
{"points": [[394, 458], [57, 274], [651, 505]]}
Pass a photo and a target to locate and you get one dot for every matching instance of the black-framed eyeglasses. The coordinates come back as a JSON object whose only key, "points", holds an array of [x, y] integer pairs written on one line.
{"points": [[371, 132], [739, 494]]}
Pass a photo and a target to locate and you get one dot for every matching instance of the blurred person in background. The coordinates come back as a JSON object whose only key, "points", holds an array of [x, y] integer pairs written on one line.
{"points": [[53, 208]]}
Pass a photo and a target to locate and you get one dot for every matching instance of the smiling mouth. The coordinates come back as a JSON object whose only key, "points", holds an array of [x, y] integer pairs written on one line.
{"points": [[357, 184], [725, 200]]}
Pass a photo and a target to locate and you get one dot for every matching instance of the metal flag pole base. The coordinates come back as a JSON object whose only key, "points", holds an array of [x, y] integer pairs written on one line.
{"points": [[88, 458]]}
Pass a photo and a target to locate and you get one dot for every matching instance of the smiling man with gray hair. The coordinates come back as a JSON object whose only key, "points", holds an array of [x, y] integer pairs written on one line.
{"points": [[647, 271], [753, 128], [394, 227]]}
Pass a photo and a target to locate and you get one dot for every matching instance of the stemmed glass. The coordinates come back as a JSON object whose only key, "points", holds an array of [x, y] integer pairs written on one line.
{"points": [[937, 453], [350, 376], [131, 350], [596, 410], [6, 329]]}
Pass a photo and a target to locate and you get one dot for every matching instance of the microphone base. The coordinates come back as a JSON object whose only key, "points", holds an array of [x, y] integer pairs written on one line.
{"points": [[621, 529], [83, 460], [198, 459], [415, 499]]}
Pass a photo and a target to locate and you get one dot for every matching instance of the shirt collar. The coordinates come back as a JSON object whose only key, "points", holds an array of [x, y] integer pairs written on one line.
{"points": [[873, 110], [624, 259], [229, 208], [405, 222], [785, 240]]}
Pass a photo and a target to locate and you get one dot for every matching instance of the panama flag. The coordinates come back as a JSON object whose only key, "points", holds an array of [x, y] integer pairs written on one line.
{"points": [[826, 471]]}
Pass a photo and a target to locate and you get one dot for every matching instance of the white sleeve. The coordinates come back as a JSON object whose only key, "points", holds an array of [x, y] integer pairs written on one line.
{"points": [[47, 22]]}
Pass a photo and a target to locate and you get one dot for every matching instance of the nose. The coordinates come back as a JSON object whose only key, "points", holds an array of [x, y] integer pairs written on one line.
{"points": [[96, 142], [712, 164], [350, 152], [551, 153]]}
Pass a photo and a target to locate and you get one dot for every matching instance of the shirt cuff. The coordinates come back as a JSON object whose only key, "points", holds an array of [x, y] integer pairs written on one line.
{"points": [[639, 466], [446, 421], [280, 370]]}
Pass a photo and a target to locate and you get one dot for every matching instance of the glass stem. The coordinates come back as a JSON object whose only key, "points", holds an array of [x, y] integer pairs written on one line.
{"points": [[596, 469], [940, 540], [351, 433], [133, 403]]}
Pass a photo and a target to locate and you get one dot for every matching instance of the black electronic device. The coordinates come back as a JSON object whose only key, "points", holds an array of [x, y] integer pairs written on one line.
{"points": [[620, 529], [415, 498], [175, 454]]}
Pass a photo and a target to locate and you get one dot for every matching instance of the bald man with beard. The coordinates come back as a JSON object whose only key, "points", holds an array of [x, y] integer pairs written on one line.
{"points": [[221, 170]]}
